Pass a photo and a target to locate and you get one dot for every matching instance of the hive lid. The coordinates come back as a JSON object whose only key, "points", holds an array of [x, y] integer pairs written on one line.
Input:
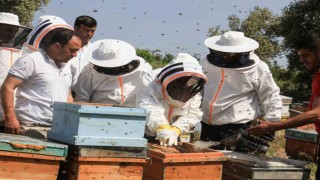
{"points": [[308, 135], [25, 144], [99, 108], [263, 161]]}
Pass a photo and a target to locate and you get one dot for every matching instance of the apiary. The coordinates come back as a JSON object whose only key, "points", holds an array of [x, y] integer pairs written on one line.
{"points": [[240, 166], [301, 144], [22, 157], [87, 124], [184, 161]]}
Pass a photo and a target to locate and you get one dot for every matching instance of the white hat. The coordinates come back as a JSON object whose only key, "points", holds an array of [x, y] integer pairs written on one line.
{"points": [[232, 42], [10, 19], [111, 53], [184, 57]]}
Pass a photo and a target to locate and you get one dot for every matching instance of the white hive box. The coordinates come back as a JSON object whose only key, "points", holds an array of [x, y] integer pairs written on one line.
{"points": [[286, 102], [87, 124]]}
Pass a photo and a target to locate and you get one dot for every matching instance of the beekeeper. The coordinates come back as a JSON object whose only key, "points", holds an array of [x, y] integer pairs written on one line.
{"points": [[172, 96], [11, 38], [113, 75], [240, 87], [41, 34]]}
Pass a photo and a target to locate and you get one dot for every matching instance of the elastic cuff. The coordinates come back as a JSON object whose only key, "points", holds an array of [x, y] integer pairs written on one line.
{"points": [[177, 130], [163, 126]]}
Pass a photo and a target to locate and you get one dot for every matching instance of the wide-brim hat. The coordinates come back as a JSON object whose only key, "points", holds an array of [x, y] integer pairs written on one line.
{"points": [[111, 53], [231, 42], [10, 19]]}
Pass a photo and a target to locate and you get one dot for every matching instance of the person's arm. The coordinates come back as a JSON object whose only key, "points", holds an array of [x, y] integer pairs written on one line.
{"points": [[269, 93], [299, 120], [11, 123], [70, 98]]}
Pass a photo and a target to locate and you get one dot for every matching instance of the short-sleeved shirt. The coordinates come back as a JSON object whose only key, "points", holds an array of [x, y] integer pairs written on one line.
{"points": [[315, 94], [43, 83], [78, 63]]}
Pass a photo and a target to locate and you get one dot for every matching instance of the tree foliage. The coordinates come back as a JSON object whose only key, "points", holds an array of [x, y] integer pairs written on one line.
{"points": [[155, 58], [25, 9]]}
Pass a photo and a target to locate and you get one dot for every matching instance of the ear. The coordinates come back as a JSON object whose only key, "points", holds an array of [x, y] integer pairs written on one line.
{"points": [[56, 45]]}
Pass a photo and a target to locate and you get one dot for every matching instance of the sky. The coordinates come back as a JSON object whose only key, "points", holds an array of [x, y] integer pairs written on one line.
{"points": [[172, 26]]}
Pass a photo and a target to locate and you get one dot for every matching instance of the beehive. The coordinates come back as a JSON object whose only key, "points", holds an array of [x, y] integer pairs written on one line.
{"points": [[98, 125], [241, 166], [185, 161], [22, 157], [301, 144]]}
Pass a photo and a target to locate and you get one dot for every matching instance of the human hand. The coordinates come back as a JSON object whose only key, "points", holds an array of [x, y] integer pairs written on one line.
{"points": [[167, 137], [12, 126], [263, 128]]}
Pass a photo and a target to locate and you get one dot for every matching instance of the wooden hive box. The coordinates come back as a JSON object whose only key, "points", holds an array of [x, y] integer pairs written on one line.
{"points": [[102, 163], [98, 125], [189, 162], [241, 166], [301, 144], [22, 157]]}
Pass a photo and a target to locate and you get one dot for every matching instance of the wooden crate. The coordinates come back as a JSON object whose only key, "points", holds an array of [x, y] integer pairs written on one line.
{"points": [[102, 164], [98, 125], [301, 144], [245, 166], [189, 162], [22, 157]]}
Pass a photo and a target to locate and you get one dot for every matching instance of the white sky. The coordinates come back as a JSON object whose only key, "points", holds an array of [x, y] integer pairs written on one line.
{"points": [[172, 26]]}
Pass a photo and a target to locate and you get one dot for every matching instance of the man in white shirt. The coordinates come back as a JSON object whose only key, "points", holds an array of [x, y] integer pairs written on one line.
{"points": [[40, 78], [85, 27]]}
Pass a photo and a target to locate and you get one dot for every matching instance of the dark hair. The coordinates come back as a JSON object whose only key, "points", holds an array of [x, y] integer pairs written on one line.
{"points": [[85, 20], [62, 37], [311, 42]]}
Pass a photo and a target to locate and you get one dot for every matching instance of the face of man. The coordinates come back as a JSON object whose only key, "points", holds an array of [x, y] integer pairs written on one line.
{"points": [[8, 33], [309, 59], [65, 53], [85, 33]]}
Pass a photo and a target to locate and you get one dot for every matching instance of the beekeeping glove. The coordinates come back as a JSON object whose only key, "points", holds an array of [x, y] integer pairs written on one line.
{"points": [[168, 135]]}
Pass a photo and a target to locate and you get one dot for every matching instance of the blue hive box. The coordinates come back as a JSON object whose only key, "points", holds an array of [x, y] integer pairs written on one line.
{"points": [[88, 124]]}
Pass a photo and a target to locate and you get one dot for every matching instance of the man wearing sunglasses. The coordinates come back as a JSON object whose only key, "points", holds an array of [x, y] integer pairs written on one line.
{"points": [[113, 75], [240, 87], [172, 96]]}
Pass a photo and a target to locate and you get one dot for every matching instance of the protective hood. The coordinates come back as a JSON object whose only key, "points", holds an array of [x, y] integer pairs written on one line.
{"points": [[181, 79], [12, 33], [45, 25]]}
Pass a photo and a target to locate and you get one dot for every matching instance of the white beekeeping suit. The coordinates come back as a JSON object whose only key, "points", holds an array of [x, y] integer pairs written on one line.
{"points": [[11, 38], [172, 96], [41, 33], [113, 75], [235, 92]]}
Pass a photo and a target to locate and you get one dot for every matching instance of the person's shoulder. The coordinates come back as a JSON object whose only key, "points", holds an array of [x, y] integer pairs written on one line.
{"points": [[144, 65]]}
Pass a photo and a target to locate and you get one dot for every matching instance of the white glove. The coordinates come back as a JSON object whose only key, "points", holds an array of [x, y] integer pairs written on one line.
{"points": [[167, 137]]}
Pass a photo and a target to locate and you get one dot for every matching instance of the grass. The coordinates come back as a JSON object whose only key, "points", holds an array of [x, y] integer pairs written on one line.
{"points": [[277, 149]]}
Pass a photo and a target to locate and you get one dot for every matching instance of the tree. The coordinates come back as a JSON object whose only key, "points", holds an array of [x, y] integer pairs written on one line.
{"points": [[262, 26], [155, 58], [23, 8]]}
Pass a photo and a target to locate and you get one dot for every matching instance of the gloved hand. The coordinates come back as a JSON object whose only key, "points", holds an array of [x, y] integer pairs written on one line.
{"points": [[168, 135]]}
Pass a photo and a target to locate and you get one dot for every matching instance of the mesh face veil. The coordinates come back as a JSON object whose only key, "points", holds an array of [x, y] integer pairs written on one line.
{"points": [[116, 71], [181, 81]]}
